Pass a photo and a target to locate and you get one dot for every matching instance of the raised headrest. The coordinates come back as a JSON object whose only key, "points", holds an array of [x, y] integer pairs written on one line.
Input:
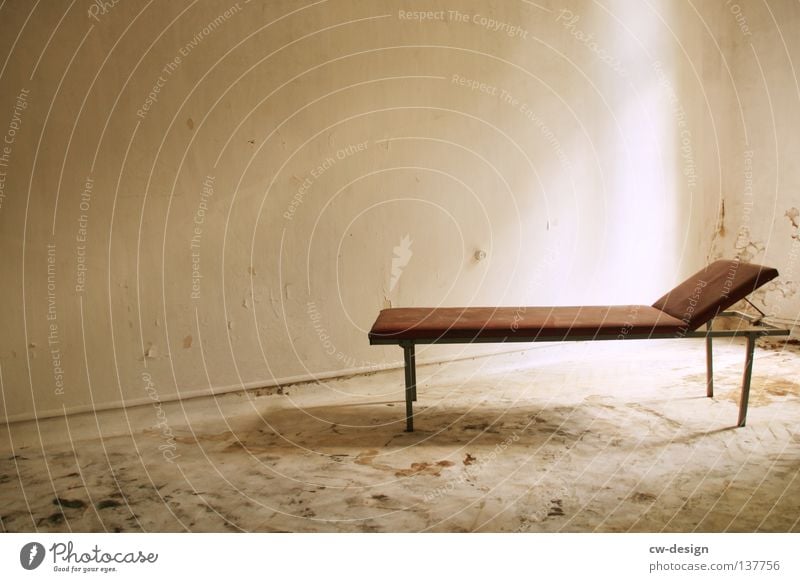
{"points": [[712, 290]]}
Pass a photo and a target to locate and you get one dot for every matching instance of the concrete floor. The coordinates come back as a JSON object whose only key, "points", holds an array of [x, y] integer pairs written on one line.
{"points": [[604, 436]]}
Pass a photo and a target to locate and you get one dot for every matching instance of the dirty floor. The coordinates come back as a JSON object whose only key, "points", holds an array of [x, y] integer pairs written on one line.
{"points": [[606, 436]]}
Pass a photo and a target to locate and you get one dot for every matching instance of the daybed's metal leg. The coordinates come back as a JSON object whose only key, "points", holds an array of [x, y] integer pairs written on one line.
{"points": [[748, 374], [411, 383], [709, 362], [413, 373]]}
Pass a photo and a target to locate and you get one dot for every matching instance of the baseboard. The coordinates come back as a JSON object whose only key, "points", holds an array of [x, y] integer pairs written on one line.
{"points": [[15, 423]]}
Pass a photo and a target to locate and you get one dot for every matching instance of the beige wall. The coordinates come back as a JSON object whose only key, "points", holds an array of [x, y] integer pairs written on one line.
{"points": [[300, 143], [760, 148]]}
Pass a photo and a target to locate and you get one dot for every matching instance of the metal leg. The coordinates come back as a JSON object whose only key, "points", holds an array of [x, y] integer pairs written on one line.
{"points": [[748, 374], [709, 363], [411, 383], [413, 373]]}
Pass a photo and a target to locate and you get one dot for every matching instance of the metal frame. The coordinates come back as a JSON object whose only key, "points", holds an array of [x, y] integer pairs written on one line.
{"points": [[758, 329]]}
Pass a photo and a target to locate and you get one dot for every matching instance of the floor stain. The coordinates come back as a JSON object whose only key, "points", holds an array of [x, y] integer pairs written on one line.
{"points": [[56, 518], [69, 503], [557, 509], [195, 439], [640, 497], [762, 390], [780, 388], [367, 457], [434, 469]]}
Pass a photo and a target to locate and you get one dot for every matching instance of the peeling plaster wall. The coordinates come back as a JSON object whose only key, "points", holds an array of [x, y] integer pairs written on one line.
{"points": [[761, 192], [208, 196]]}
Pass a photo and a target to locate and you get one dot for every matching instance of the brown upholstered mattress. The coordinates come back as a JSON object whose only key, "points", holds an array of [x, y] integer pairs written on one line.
{"points": [[691, 304], [470, 323]]}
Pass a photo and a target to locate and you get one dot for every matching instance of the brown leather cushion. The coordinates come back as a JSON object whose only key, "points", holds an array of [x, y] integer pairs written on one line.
{"points": [[470, 323], [712, 290]]}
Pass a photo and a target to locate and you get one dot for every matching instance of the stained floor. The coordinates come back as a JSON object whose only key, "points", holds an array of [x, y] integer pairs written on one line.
{"points": [[610, 436]]}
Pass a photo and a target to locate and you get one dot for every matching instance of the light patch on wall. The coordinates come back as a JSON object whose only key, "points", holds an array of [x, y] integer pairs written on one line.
{"points": [[793, 214], [402, 256]]}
